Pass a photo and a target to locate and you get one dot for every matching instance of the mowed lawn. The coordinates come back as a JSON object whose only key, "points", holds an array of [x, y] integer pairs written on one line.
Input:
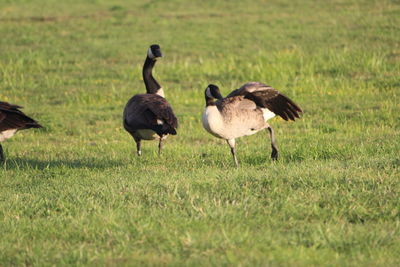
{"points": [[74, 193]]}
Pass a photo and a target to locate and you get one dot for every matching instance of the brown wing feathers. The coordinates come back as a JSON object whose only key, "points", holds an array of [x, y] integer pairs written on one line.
{"points": [[164, 112], [159, 107], [277, 103], [12, 118], [267, 97], [152, 107]]}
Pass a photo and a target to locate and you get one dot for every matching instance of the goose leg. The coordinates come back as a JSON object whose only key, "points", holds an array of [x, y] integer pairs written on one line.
{"points": [[274, 154], [2, 158], [138, 147], [231, 143], [160, 146]]}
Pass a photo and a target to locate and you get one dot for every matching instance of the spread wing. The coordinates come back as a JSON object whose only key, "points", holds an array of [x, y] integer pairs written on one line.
{"points": [[12, 118], [150, 111], [267, 97]]}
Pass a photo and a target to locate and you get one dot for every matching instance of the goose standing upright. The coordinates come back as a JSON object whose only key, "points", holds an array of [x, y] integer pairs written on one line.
{"points": [[149, 116], [11, 121], [246, 111]]}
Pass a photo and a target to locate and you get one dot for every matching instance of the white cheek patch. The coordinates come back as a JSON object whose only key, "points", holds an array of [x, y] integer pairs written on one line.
{"points": [[208, 93], [160, 122], [150, 53]]}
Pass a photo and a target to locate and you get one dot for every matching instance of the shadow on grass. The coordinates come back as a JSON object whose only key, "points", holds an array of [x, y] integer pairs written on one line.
{"points": [[247, 160], [87, 163], [267, 160]]}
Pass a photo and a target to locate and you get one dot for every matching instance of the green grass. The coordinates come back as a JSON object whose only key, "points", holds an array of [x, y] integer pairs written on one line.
{"points": [[74, 193]]}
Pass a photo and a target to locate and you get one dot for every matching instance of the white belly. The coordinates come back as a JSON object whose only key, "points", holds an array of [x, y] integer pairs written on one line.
{"points": [[7, 134], [147, 134]]}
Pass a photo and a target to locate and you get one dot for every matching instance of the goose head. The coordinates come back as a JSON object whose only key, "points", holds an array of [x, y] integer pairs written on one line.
{"points": [[154, 52], [212, 92]]}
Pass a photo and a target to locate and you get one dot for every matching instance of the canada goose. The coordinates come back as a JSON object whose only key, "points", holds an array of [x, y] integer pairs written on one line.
{"points": [[149, 116], [245, 111], [11, 121]]}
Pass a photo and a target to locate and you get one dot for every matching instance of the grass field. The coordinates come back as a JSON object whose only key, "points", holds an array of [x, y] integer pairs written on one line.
{"points": [[74, 193]]}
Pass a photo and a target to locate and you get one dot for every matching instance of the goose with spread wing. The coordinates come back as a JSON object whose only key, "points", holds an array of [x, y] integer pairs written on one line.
{"points": [[12, 120], [245, 111], [149, 116]]}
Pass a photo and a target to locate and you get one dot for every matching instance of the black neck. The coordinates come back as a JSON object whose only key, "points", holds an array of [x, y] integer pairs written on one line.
{"points": [[210, 101], [152, 85]]}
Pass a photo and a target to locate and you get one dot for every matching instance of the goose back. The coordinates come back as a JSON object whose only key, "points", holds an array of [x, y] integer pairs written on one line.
{"points": [[12, 119], [265, 96], [151, 112]]}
